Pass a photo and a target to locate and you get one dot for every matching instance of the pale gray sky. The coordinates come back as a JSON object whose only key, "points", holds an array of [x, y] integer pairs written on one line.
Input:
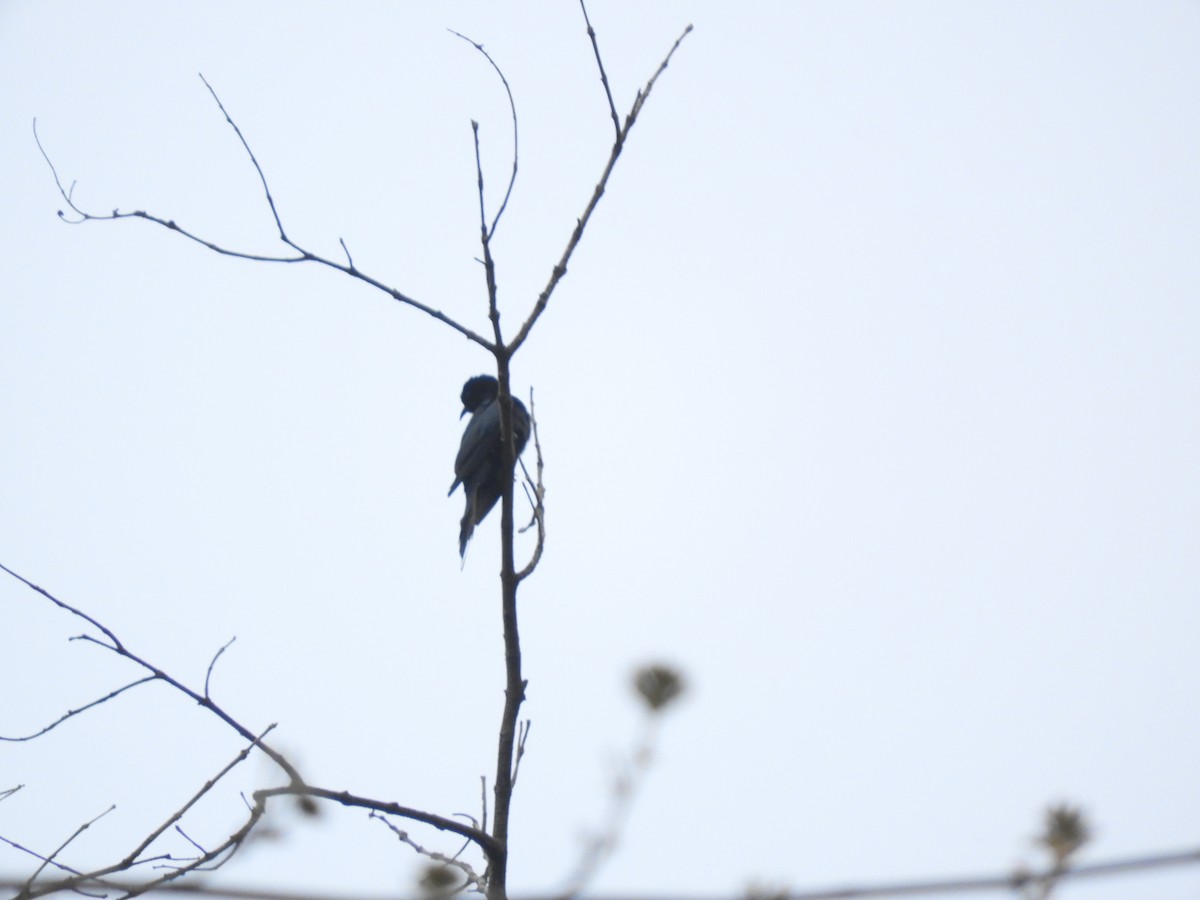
{"points": [[870, 400]]}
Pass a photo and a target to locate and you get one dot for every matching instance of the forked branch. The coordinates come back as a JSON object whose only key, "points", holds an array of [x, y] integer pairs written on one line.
{"points": [[560, 269], [296, 785], [301, 254]]}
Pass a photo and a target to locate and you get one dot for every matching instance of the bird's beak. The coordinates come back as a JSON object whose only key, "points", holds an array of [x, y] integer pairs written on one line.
{"points": [[461, 414]]}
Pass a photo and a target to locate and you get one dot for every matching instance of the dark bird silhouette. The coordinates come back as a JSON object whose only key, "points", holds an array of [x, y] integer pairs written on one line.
{"points": [[479, 466]]}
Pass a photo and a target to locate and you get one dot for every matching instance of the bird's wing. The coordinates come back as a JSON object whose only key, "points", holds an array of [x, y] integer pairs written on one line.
{"points": [[479, 441], [521, 426]]}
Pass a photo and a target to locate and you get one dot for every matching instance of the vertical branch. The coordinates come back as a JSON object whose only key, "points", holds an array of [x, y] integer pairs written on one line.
{"points": [[514, 686], [512, 106]]}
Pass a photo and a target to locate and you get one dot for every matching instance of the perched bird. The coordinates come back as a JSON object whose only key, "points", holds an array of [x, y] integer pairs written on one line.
{"points": [[478, 466]]}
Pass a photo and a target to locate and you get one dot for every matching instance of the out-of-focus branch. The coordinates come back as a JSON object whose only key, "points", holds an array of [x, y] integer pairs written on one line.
{"points": [[983, 884], [658, 687], [472, 879], [1011, 882]]}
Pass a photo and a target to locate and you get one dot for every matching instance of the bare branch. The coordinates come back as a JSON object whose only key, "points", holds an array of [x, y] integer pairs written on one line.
{"points": [[483, 792], [116, 644], [156, 673], [474, 879], [187, 837], [538, 500], [983, 884], [514, 681], [612, 107], [261, 177], [489, 270], [302, 255], [345, 798], [208, 675], [50, 859], [1010, 882], [74, 712], [297, 787], [628, 779], [23, 885], [137, 851], [512, 105], [560, 269], [522, 737]]}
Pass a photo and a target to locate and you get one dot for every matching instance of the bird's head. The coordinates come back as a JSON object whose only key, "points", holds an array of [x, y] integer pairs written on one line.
{"points": [[478, 392]]}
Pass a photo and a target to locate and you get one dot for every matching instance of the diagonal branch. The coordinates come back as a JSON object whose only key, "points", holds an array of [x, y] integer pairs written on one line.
{"points": [[560, 269], [50, 860], [301, 256], [74, 712], [295, 787], [158, 674], [261, 177], [137, 851]]}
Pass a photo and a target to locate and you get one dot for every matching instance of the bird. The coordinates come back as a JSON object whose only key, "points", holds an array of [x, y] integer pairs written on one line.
{"points": [[479, 466]]}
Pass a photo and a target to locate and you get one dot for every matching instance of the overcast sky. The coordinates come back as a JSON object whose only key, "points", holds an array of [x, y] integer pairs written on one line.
{"points": [[871, 400]]}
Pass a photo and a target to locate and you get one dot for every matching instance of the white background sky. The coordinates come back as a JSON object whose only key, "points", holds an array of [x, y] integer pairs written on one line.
{"points": [[870, 400]]}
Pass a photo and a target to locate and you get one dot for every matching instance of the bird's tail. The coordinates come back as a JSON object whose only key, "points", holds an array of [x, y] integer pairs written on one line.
{"points": [[466, 528]]}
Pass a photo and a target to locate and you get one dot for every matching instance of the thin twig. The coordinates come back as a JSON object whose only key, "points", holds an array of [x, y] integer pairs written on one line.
{"points": [[591, 33], [483, 796], [302, 255], [538, 501], [137, 851], [296, 787], [489, 270], [50, 859], [208, 675], [473, 878], [1008, 882], [522, 737], [116, 644], [560, 269], [261, 177], [512, 105], [345, 798], [187, 837], [981, 884], [626, 783], [120, 649], [74, 712]]}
